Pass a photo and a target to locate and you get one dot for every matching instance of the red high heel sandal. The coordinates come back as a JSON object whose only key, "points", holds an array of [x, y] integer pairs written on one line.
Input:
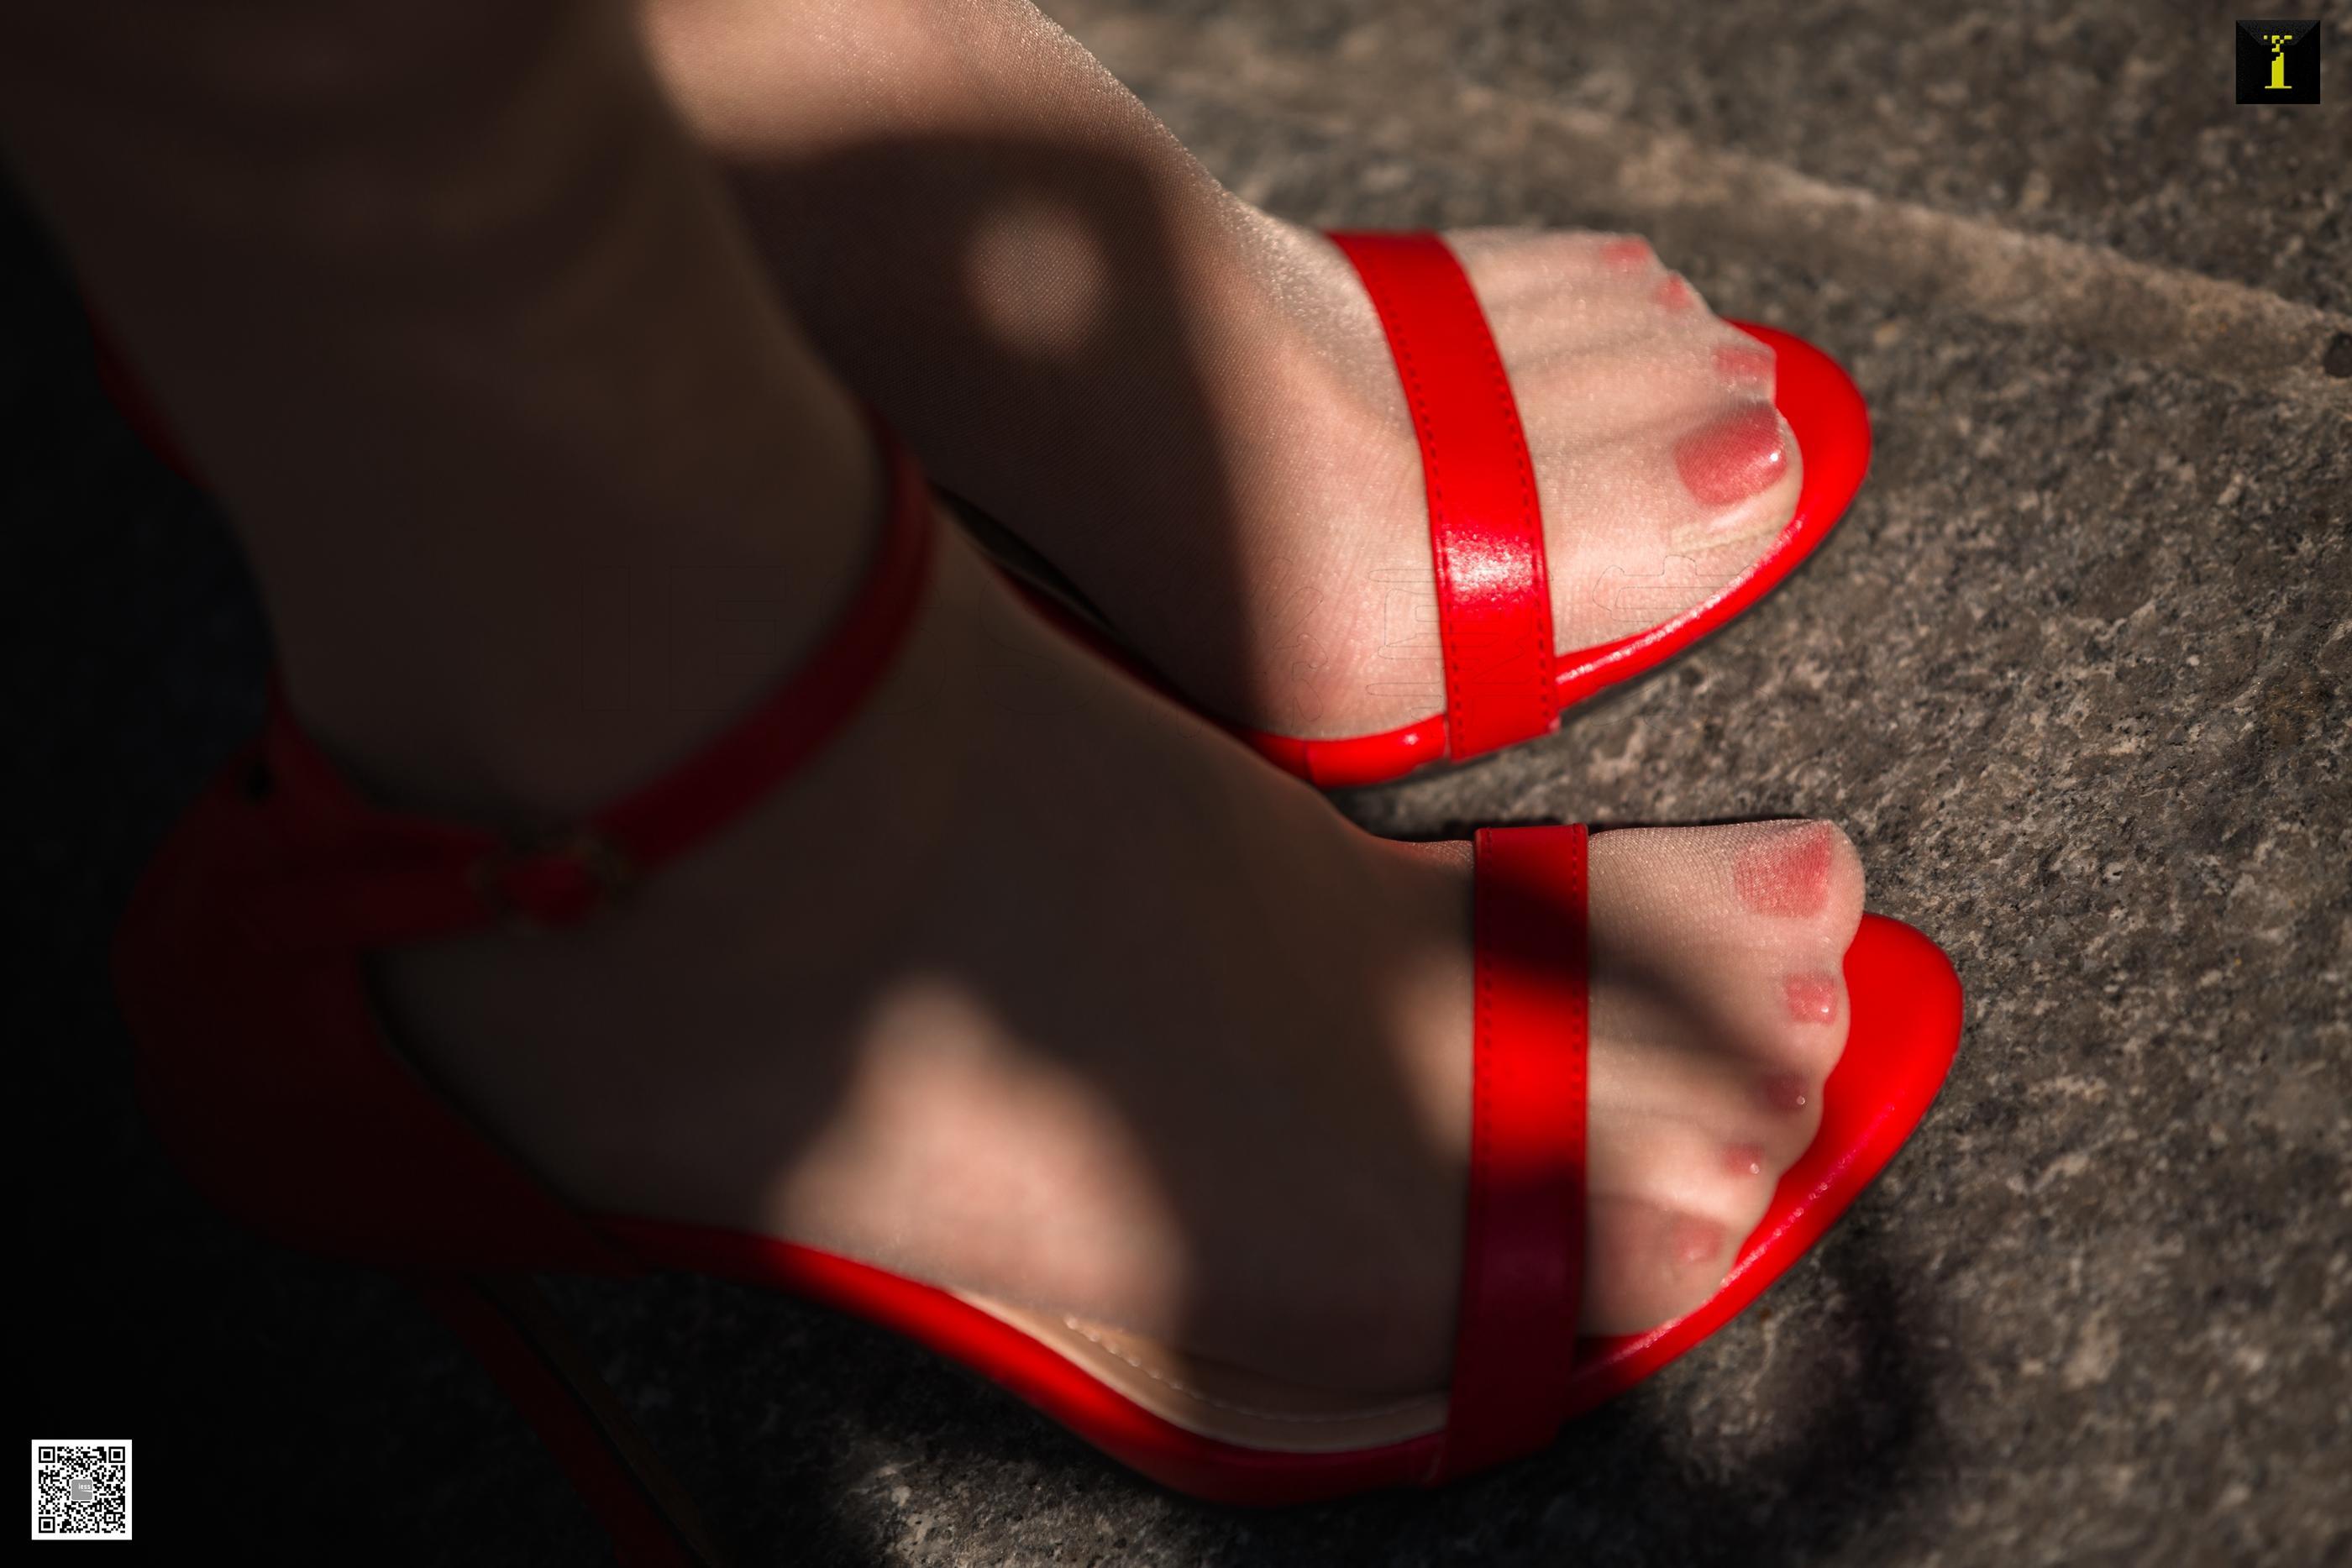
{"points": [[1503, 683], [268, 1078]]}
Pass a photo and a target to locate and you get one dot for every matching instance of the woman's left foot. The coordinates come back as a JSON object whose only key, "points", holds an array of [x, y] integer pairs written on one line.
{"points": [[1186, 404]]}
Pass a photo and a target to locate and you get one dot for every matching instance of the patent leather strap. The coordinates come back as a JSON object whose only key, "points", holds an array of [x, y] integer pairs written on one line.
{"points": [[1486, 523], [355, 876], [1523, 1237]]}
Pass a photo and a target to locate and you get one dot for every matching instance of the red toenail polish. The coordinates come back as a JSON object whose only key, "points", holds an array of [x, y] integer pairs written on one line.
{"points": [[1788, 874], [1812, 998], [1749, 366], [1627, 255], [1733, 458], [1743, 1160], [1785, 1092], [1675, 295], [1695, 1240]]}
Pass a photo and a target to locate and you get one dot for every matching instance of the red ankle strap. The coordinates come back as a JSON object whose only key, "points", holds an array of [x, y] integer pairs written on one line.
{"points": [[355, 876], [1486, 522]]}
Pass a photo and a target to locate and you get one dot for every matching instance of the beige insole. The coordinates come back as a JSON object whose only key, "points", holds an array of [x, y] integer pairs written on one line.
{"points": [[1222, 1402]]}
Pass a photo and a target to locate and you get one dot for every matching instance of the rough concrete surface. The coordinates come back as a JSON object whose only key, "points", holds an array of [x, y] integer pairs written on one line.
{"points": [[2076, 673]]}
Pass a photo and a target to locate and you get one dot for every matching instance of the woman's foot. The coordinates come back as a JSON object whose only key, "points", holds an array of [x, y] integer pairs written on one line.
{"points": [[1031, 983], [1186, 404], [1034, 986]]}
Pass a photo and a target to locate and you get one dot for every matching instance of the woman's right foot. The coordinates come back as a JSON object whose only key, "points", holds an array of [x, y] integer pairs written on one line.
{"points": [[1188, 405], [1034, 986]]}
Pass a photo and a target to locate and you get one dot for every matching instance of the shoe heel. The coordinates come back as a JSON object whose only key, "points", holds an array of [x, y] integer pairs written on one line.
{"points": [[521, 1342]]}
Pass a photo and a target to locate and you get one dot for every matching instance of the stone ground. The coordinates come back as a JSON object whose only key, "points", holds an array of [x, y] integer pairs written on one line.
{"points": [[2076, 672]]}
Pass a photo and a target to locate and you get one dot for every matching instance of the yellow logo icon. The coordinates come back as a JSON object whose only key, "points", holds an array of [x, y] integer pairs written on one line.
{"points": [[2278, 43], [2278, 61]]}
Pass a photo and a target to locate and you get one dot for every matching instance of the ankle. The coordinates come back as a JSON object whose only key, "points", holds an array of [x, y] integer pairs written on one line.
{"points": [[528, 709]]}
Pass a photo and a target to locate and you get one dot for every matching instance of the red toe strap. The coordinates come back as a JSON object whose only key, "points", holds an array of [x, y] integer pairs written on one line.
{"points": [[1485, 524], [1523, 1239], [356, 877]]}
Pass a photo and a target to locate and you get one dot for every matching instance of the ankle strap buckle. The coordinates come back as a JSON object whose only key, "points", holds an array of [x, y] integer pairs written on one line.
{"points": [[555, 885]]}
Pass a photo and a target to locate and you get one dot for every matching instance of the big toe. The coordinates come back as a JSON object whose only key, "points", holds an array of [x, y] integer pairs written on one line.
{"points": [[1664, 471]]}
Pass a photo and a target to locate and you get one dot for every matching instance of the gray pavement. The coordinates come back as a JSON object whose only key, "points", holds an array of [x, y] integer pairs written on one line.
{"points": [[2076, 673]]}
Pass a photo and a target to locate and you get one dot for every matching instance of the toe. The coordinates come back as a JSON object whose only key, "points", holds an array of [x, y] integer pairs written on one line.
{"points": [[1652, 507], [1675, 295], [1719, 1169], [1786, 891], [1646, 1264], [1738, 452], [1664, 470], [1795, 901], [1800, 880], [1642, 525], [1628, 255], [1692, 1088], [1516, 271], [1745, 366]]}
